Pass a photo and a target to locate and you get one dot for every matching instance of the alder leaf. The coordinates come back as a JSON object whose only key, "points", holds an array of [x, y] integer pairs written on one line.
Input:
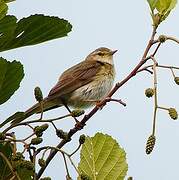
{"points": [[32, 30], [101, 157]]}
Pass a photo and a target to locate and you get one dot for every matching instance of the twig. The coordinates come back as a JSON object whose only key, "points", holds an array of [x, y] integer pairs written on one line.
{"points": [[18, 140], [156, 50], [109, 99], [35, 121], [163, 108], [41, 109], [159, 66], [173, 74], [61, 151], [155, 95], [75, 150], [172, 39], [66, 167], [145, 69], [28, 137]]}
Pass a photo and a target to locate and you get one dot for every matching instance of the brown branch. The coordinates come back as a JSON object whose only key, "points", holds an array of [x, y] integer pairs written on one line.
{"points": [[102, 103]]}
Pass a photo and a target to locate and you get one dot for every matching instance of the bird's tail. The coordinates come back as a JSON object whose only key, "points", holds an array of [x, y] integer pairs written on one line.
{"points": [[46, 104]]}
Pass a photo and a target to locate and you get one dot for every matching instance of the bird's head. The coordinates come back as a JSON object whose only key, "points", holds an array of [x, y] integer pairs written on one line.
{"points": [[102, 54]]}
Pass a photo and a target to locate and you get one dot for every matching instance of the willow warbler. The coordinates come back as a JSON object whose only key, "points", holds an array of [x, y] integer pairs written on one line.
{"points": [[82, 85]]}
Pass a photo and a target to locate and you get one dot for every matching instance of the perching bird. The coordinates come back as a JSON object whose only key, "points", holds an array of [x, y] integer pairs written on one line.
{"points": [[82, 85]]}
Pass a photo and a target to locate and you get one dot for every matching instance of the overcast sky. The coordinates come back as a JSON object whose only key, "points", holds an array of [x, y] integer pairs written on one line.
{"points": [[122, 25]]}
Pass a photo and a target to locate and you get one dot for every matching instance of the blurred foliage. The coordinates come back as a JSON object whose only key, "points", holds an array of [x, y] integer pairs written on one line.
{"points": [[11, 74]]}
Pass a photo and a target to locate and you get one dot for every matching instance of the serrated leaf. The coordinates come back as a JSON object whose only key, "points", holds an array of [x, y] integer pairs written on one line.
{"points": [[3, 9], [17, 115], [172, 5], [102, 158], [152, 4], [162, 6], [165, 6], [31, 30], [11, 74]]}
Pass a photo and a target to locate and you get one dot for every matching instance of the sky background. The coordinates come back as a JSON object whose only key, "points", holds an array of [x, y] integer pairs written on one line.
{"points": [[122, 25]]}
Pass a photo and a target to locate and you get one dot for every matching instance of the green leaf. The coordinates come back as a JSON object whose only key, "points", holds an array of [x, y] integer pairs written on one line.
{"points": [[31, 30], [165, 6], [102, 158], [17, 116], [172, 5], [11, 74], [6, 150], [152, 4], [3, 9], [8, 1]]}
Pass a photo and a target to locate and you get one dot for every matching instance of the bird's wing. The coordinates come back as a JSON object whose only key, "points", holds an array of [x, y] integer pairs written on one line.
{"points": [[74, 78]]}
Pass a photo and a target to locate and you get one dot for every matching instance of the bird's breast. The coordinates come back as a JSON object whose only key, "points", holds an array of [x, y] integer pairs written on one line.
{"points": [[96, 90]]}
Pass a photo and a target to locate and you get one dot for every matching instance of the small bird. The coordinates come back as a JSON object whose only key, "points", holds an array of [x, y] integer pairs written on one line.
{"points": [[82, 85]]}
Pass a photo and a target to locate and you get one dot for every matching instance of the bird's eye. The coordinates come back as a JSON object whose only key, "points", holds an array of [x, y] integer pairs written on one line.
{"points": [[101, 54]]}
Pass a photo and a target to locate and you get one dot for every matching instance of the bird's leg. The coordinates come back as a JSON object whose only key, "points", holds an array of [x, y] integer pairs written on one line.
{"points": [[78, 123], [41, 110], [70, 112]]}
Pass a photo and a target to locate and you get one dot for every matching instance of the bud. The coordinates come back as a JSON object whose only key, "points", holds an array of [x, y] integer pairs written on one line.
{"points": [[39, 129], [36, 140], [129, 178], [162, 38], [68, 177], [44, 127], [176, 79], [77, 112], [84, 177], [42, 162], [150, 144], [173, 113], [62, 135], [82, 139], [38, 94], [2, 136], [149, 92]]}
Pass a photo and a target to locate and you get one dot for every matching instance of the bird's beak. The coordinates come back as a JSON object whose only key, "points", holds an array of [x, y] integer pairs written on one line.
{"points": [[113, 52]]}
